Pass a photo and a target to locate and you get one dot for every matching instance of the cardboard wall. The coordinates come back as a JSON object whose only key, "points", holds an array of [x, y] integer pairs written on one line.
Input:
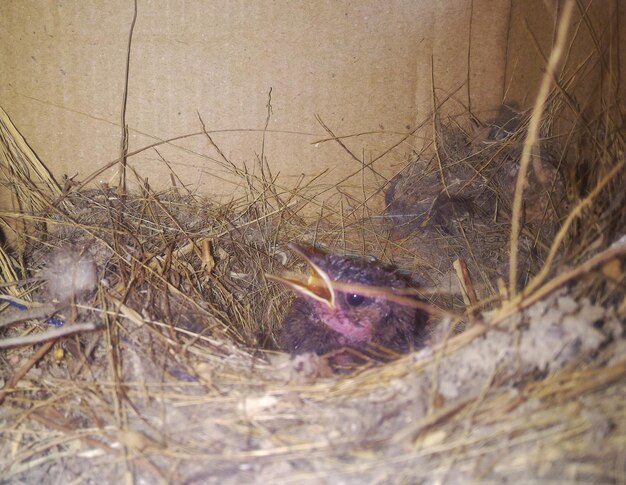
{"points": [[364, 67]]}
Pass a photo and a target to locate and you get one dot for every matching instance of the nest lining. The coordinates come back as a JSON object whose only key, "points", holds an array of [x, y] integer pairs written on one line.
{"points": [[182, 381]]}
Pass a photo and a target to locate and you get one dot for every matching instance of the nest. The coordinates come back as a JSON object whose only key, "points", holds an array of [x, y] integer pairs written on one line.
{"points": [[164, 364]]}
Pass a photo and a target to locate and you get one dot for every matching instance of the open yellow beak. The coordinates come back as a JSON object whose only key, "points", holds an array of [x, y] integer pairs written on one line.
{"points": [[318, 286]]}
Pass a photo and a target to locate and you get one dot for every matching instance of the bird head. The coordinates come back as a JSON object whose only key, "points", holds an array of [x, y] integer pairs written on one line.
{"points": [[352, 296]]}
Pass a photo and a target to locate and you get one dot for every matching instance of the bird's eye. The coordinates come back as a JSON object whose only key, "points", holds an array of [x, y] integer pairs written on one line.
{"points": [[354, 299]]}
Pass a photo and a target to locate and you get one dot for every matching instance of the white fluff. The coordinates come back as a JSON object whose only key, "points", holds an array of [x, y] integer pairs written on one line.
{"points": [[70, 272]]}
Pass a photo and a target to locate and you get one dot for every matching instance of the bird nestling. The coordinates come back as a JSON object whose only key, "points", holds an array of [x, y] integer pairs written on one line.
{"points": [[350, 304]]}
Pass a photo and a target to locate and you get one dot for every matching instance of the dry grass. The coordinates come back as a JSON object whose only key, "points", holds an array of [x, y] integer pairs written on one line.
{"points": [[170, 371]]}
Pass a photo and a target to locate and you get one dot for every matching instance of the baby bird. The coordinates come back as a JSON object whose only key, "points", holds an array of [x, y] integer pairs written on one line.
{"points": [[350, 303]]}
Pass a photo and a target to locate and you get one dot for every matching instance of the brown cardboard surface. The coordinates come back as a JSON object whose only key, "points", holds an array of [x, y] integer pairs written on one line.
{"points": [[363, 67]]}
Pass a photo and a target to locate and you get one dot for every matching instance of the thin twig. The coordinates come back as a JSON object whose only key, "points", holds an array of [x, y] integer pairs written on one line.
{"points": [[45, 336], [124, 138], [531, 139]]}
